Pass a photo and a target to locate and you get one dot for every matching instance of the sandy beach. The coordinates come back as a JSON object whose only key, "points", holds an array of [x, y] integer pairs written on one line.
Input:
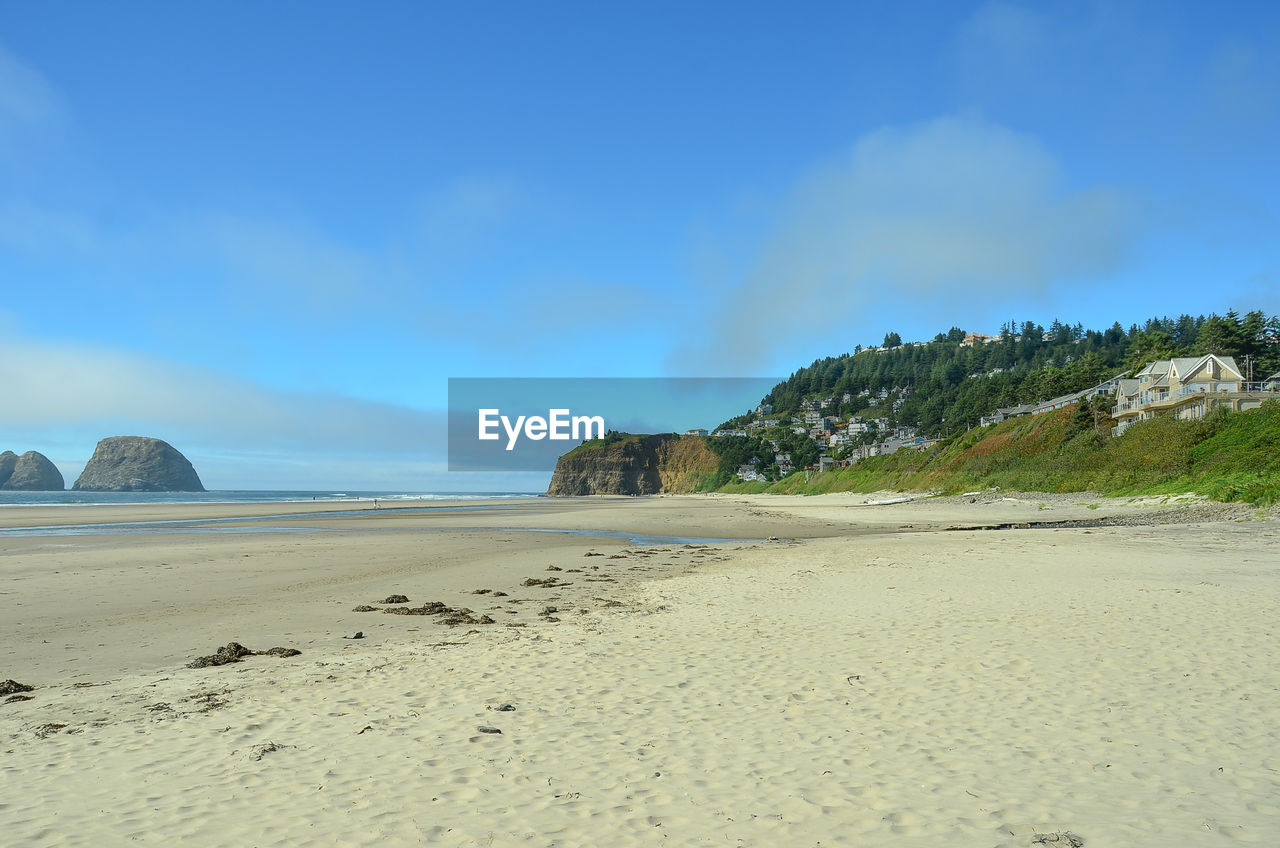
{"points": [[714, 670]]}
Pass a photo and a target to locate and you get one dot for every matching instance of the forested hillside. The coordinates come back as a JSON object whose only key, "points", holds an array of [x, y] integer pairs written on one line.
{"points": [[944, 386]]}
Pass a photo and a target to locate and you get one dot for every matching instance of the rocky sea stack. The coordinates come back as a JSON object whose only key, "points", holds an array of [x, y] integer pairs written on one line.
{"points": [[31, 472], [137, 464]]}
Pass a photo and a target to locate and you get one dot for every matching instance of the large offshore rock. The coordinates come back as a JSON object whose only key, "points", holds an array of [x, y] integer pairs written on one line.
{"points": [[31, 472], [137, 464], [8, 460]]}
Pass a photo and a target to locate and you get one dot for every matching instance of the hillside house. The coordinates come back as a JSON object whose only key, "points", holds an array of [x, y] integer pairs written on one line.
{"points": [[750, 471], [1004, 413], [1187, 387]]}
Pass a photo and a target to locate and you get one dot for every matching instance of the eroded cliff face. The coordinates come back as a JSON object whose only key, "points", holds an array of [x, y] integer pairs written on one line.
{"points": [[685, 463], [641, 465]]}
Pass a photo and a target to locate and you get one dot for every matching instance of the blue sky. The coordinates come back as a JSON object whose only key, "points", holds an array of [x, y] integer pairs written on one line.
{"points": [[269, 233]]}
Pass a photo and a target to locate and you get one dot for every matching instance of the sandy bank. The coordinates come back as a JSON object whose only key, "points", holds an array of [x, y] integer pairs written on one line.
{"points": [[879, 682]]}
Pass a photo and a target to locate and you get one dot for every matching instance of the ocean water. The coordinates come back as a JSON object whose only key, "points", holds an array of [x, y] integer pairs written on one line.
{"points": [[254, 496]]}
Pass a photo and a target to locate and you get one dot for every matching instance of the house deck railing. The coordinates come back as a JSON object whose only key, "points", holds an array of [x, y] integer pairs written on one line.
{"points": [[1164, 399]]}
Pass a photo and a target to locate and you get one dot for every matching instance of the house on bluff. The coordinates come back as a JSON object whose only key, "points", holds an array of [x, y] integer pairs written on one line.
{"points": [[1187, 387]]}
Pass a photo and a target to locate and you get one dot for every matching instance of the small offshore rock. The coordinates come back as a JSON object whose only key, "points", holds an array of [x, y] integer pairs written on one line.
{"points": [[395, 599], [365, 608], [484, 728], [506, 708]]}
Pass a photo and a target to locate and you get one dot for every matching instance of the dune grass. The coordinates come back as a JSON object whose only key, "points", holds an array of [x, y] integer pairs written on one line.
{"points": [[1226, 456]]}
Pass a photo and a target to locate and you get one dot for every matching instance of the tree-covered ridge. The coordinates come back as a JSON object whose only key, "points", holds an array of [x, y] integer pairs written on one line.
{"points": [[946, 385]]}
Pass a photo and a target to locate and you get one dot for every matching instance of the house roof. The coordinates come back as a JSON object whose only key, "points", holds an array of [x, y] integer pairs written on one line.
{"points": [[1187, 367]]}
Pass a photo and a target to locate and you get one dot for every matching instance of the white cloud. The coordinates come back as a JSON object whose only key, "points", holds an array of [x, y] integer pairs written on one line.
{"points": [[89, 389], [922, 218], [60, 399]]}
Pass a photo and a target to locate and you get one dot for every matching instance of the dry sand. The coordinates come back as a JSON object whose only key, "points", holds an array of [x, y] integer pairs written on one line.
{"points": [[873, 676]]}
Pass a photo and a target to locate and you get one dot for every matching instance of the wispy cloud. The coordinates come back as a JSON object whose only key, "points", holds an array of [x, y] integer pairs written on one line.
{"points": [[1242, 86], [929, 218], [1002, 37], [88, 388], [287, 266], [60, 399], [27, 99]]}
